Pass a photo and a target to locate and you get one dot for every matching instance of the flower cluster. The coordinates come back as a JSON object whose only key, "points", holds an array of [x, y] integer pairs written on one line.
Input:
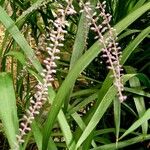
{"points": [[53, 48], [111, 50]]}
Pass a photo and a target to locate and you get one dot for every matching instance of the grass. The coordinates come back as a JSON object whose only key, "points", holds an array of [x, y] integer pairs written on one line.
{"points": [[82, 109]]}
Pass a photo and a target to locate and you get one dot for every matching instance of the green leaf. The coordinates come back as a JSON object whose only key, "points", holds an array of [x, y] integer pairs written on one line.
{"points": [[19, 38], [131, 17], [137, 91], [37, 134], [83, 103], [122, 144], [8, 109], [63, 123], [137, 123], [38, 137], [33, 7], [131, 47], [127, 33], [101, 109], [81, 124], [139, 4], [79, 45], [66, 130], [117, 116], [138, 100], [19, 56], [80, 40]]}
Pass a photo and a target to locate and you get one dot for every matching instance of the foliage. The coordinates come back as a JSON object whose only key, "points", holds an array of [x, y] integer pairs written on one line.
{"points": [[82, 110]]}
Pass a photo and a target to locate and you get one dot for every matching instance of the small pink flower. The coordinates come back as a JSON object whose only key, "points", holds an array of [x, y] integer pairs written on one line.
{"points": [[56, 36], [110, 47]]}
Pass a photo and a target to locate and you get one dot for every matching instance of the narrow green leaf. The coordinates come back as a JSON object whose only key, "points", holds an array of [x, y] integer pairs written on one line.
{"points": [[80, 40], [84, 92], [132, 17], [117, 116], [38, 137], [63, 123], [81, 124], [139, 4], [131, 47], [37, 134], [19, 56], [123, 144], [33, 7], [8, 109], [111, 130], [19, 38], [83, 103], [127, 33], [130, 109], [139, 101], [66, 130], [101, 109], [79, 45], [137, 123], [137, 91]]}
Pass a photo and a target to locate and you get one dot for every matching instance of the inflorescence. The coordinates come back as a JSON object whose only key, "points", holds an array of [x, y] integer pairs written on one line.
{"points": [[53, 48], [111, 50]]}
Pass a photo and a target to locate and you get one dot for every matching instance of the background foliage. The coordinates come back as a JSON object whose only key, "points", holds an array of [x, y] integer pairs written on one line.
{"points": [[82, 111]]}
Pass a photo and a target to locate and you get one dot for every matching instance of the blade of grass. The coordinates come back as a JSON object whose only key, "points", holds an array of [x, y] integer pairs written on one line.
{"points": [[130, 109], [139, 101], [138, 91], [63, 124], [80, 40], [123, 143], [81, 37], [84, 92], [111, 130], [101, 109], [117, 116], [83, 103], [38, 137], [19, 38], [18, 55], [131, 47], [37, 134], [81, 124], [8, 109], [137, 123], [66, 130], [127, 33], [139, 4]]}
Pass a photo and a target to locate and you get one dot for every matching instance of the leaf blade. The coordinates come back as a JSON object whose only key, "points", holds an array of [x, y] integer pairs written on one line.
{"points": [[8, 110]]}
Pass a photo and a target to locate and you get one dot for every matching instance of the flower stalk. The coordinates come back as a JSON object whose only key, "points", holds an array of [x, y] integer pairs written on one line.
{"points": [[111, 50], [55, 39]]}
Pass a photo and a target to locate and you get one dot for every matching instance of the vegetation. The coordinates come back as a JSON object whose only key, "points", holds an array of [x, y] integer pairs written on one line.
{"points": [[74, 74]]}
